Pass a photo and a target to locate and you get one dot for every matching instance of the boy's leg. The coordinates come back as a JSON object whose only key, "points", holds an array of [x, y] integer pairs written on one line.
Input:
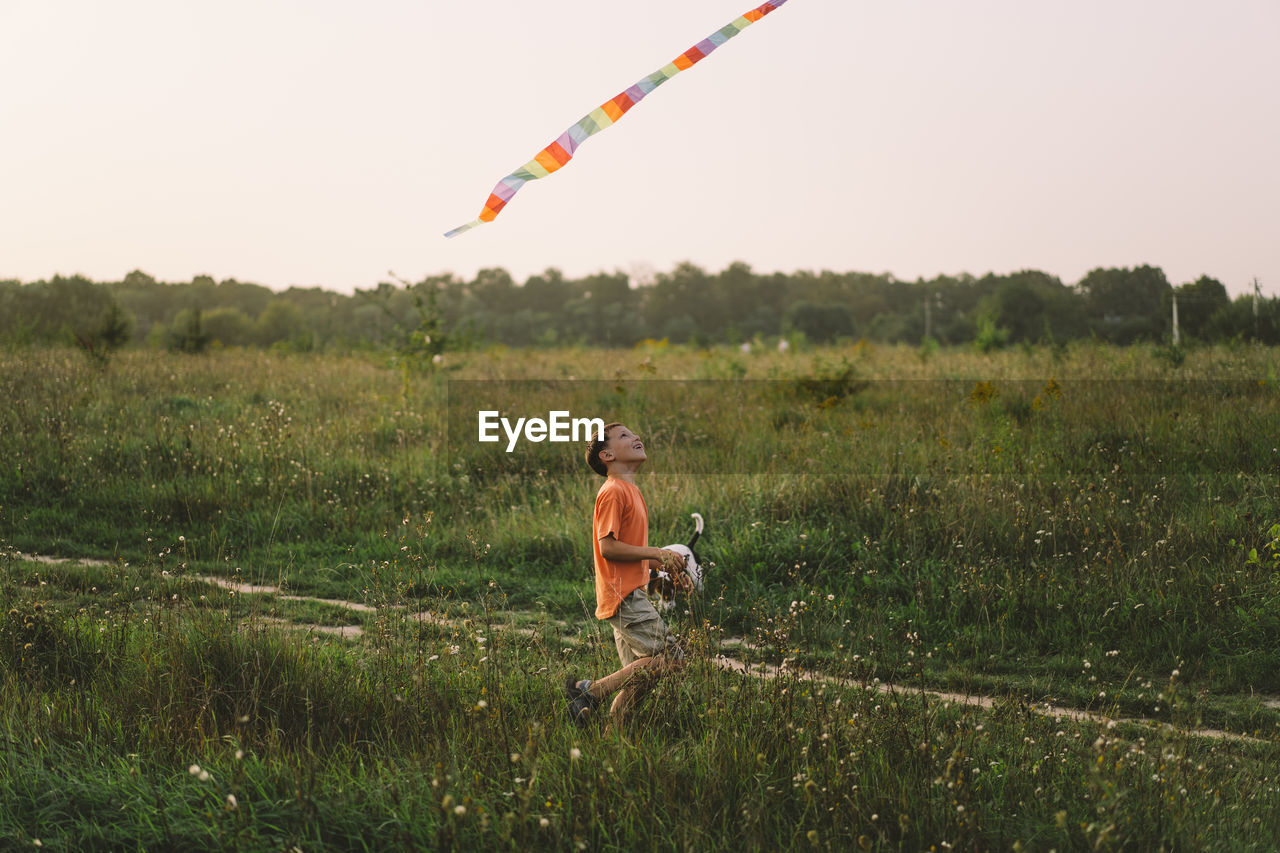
{"points": [[629, 684], [645, 668], [636, 680], [625, 654], [647, 649]]}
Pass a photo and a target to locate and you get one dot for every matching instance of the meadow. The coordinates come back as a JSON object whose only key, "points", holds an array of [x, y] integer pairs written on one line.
{"points": [[1088, 528]]}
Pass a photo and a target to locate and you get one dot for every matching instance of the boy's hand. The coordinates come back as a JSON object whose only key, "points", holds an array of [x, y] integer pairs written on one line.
{"points": [[672, 561]]}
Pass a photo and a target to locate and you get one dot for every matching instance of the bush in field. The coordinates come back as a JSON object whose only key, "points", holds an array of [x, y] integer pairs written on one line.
{"points": [[188, 334], [229, 327], [990, 337]]}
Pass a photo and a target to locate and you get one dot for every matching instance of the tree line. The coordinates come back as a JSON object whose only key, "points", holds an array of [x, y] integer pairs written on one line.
{"points": [[685, 305]]}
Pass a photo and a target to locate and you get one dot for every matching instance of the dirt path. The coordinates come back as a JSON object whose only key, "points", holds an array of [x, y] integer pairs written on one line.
{"points": [[54, 561], [727, 662], [349, 631], [240, 588], [771, 671], [1045, 709]]}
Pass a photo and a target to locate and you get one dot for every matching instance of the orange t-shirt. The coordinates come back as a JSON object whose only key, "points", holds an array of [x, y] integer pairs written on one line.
{"points": [[620, 510]]}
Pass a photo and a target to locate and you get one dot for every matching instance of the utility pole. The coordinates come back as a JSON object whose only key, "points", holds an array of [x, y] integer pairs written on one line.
{"points": [[1255, 307], [928, 312], [1175, 319]]}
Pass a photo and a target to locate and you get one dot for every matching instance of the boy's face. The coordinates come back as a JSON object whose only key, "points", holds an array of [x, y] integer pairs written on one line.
{"points": [[622, 445]]}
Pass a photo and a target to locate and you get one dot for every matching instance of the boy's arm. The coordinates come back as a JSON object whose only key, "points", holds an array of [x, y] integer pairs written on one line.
{"points": [[612, 549]]}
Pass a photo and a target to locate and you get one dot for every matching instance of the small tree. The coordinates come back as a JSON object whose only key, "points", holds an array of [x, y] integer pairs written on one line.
{"points": [[111, 331], [990, 337], [229, 327], [425, 343], [280, 321], [187, 333]]}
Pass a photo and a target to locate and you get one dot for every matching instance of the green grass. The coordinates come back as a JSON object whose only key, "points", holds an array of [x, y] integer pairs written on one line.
{"points": [[1030, 525], [341, 745]]}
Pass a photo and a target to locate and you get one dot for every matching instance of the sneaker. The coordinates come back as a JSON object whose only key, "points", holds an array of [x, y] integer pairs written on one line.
{"points": [[573, 688], [581, 702]]}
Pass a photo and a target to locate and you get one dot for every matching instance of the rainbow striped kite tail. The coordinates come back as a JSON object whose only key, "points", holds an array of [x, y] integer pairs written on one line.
{"points": [[462, 229], [497, 200], [560, 151]]}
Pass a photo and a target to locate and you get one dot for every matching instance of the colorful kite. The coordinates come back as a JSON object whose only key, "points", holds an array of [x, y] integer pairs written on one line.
{"points": [[561, 151]]}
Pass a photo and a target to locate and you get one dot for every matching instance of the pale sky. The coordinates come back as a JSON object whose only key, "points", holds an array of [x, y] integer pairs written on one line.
{"points": [[315, 142]]}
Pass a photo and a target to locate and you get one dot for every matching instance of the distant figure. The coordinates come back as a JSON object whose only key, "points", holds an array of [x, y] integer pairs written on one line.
{"points": [[620, 534], [746, 347], [783, 345]]}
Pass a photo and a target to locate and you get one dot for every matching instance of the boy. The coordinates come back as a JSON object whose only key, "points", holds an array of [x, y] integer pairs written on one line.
{"points": [[620, 530]]}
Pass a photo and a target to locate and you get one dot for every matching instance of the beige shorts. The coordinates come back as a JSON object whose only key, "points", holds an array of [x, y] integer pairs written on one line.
{"points": [[639, 632]]}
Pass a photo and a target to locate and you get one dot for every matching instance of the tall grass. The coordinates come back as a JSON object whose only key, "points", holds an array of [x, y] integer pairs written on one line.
{"points": [[1038, 525], [1013, 505], [162, 722]]}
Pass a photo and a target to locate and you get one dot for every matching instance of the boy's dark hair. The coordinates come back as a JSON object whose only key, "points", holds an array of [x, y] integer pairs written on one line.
{"points": [[595, 446]]}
